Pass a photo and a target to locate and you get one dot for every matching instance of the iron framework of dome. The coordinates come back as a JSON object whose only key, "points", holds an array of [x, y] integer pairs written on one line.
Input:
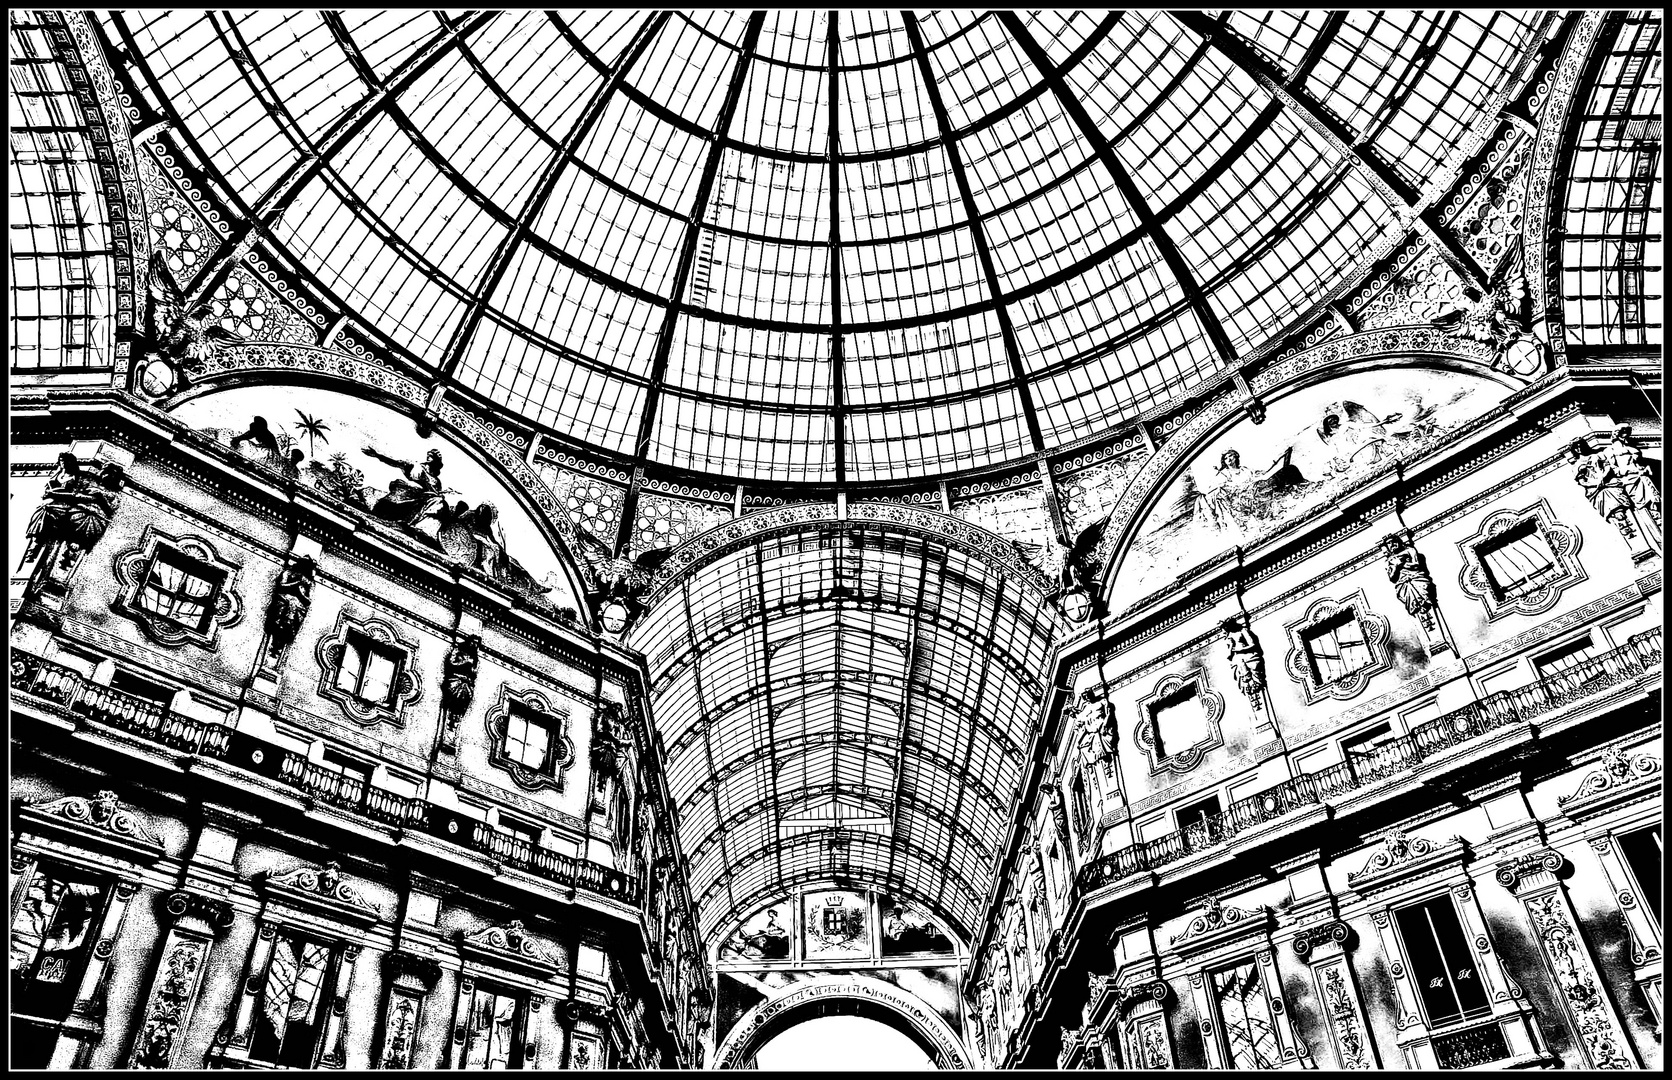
{"points": [[823, 247]]}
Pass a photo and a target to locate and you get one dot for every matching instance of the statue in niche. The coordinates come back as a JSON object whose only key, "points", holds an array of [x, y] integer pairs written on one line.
{"points": [[79, 502], [1408, 570], [1601, 486], [292, 596], [182, 338], [1096, 721], [1631, 474], [1248, 662], [608, 745]]}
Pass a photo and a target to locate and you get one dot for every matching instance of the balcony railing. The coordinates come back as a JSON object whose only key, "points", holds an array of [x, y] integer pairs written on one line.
{"points": [[1638, 655], [74, 694]]}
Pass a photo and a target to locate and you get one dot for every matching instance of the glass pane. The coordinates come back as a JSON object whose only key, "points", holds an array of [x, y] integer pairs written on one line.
{"points": [[1642, 850], [1519, 561], [51, 934], [1250, 1035], [291, 1003], [378, 685], [491, 1032], [354, 662]]}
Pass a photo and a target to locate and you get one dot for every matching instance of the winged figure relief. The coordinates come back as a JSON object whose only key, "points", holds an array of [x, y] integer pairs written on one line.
{"points": [[179, 334], [619, 578], [1498, 315], [1080, 565]]}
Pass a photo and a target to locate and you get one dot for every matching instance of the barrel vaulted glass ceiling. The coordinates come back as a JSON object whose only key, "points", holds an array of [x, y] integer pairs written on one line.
{"points": [[809, 246], [844, 703]]}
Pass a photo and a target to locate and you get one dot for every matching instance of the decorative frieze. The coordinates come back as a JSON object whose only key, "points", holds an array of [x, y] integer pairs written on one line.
{"points": [[318, 892], [512, 948], [100, 823], [1622, 777]]}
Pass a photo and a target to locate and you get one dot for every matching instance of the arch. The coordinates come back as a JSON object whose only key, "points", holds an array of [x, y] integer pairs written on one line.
{"points": [[270, 363], [1412, 346], [842, 995]]}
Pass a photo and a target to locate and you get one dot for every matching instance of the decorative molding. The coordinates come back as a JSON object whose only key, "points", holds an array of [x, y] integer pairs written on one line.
{"points": [[181, 905], [329, 653], [1402, 858], [412, 967], [318, 891], [1298, 662], [132, 566], [1623, 777], [1217, 923], [1314, 937], [1576, 977], [101, 823], [1171, 689], [1475, 580], [559, 755], [741, 1039], [1512, 873], [510, 948]]}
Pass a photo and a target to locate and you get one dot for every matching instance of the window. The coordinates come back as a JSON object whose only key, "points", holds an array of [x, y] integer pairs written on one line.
{"points": [[1642, 851], [492, 1031], [1198, 813], [1179, 722], [1079, 804], [1442, 963], [1360, 753], [1518, 561], [1558, 661], [369, 670], [52, 935], [295, 999], [528, 739], [1246, 1018], [1336, 647], [181, 589]]}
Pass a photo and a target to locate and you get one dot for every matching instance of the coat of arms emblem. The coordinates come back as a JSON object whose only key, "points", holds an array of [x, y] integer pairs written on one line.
{"points": [[838, 921]]}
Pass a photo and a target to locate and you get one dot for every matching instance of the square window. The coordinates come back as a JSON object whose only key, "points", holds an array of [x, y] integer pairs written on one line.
{"points": [[369, 669], [181, 589], [1518, 561], [528, 738], [1337, 647]]}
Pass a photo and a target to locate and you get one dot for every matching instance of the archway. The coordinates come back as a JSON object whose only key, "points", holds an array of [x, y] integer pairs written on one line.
{"points": [[848, 995]]}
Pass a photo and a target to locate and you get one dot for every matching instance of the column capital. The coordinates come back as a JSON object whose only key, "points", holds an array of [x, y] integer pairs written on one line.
{"points": [[180, 906], [1531, 869], [1311, 938]]}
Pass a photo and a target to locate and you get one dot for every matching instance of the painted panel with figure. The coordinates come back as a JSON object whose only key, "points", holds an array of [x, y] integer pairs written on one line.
{"points": [[1251, 481], [908, 930], [762, 936]]}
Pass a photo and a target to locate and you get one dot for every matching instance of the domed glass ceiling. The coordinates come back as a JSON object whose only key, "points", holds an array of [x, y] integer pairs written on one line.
{"points": [[804, 246]]}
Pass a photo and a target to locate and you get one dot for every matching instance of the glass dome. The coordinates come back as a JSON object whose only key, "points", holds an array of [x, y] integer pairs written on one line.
{"points": [[828, 247]]}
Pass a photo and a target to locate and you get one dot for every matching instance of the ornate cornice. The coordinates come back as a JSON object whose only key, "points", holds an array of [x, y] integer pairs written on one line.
{"points": [[1622, 777], [509, 947], [1217, 923], [318, 891], [99, 822], [1402, 858]]}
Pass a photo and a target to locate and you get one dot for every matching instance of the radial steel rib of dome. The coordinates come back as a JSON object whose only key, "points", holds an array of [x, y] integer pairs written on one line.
{"points": [[822, 247]]}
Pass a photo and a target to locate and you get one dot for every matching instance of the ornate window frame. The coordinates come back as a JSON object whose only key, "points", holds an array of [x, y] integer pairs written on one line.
{"points": [[1165, 691], [329, 652], [132, 567], [1221, 936], [1563, 540], [1298, 662], [560, 754]]}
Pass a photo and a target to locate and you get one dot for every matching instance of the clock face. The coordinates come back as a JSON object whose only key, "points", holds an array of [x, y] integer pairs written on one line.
{"points": [[156, 378]]}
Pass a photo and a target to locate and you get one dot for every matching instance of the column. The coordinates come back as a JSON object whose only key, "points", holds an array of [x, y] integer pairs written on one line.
{"points": [[195, 921], [84, 1028], [1324, 950], [243, 1024], [410, 979], [343, 978], [1532, 877]]}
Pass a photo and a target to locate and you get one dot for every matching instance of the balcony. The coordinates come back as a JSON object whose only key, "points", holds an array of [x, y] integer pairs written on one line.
{"points": [[1640, 655], [69, 693]]}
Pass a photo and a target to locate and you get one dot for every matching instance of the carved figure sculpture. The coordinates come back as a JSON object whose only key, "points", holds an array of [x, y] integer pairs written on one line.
{"points": [[1594, 476], [1635, 483], [292, 597], [181, 337], [607, 742], [1408, 570], [1496, 316], [1248, 663], [1080, 566], [78, 505], [622, 582], [1097, 727], [458, 683], [415, 498]]}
